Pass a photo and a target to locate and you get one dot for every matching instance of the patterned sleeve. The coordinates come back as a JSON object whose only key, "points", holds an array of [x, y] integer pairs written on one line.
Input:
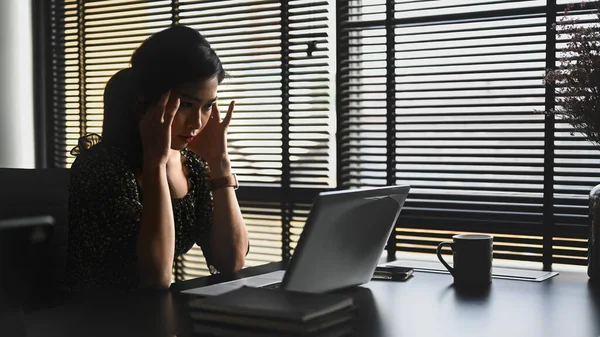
{"points": [[105, 212]]}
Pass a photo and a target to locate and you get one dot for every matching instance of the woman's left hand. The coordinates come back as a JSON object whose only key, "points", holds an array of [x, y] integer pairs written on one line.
{"points": [[211, 143]]}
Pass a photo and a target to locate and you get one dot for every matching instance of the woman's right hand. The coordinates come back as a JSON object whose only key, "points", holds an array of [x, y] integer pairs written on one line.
{"points": [[155, 129]]}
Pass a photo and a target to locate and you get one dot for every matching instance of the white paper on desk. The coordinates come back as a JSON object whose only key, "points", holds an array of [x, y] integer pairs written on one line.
{"points": [[497, 272], [252, 281]]}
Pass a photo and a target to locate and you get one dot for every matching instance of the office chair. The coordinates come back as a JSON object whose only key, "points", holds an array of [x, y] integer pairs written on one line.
{"points": [[40, 192]]}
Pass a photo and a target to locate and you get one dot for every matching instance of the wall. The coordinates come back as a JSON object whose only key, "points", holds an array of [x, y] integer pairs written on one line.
{"points": [[17, 148]]}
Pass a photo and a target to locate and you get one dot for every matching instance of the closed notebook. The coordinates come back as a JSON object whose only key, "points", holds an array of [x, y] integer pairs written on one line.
{"points": [[273, 304], [318, 324], [211, 329]]}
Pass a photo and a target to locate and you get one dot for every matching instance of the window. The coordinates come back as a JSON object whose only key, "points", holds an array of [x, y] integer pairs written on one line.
{"points": [[440, 94], [280, 56], [443, 95]]}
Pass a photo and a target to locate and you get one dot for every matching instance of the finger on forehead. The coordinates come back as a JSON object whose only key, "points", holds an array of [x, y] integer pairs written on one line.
{"points": [[214, 112], [229, 114], [171, 109], [164, 99]]}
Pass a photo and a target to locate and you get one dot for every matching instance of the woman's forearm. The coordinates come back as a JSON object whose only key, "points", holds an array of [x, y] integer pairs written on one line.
{"points": [[156, 239], [229, 236]]}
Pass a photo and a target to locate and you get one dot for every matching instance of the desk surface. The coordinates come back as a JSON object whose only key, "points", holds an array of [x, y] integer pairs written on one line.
{"points": [[426, 305]]}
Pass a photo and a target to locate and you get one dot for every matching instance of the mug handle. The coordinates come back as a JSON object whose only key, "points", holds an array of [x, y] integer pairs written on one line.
{"points": [[439, 254]]}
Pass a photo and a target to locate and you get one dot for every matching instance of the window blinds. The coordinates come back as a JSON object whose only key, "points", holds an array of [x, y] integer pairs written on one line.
{"points": [[439, 94], [576, 166], [279, 55], [445, 96]]}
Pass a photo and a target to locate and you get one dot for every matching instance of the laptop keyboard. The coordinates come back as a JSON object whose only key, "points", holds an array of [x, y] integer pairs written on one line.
{"points": [[276, 285]]}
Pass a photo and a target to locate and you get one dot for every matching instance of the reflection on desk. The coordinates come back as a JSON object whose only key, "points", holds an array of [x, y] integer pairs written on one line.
{"points": [[426, 305], [137, 314]]}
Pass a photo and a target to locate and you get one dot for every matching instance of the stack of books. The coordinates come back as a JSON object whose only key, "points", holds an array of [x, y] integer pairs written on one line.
{"points": [[251, 311]]}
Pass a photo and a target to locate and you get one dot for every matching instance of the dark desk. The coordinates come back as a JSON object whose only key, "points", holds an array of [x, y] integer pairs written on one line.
{"points": [[426, 305]]}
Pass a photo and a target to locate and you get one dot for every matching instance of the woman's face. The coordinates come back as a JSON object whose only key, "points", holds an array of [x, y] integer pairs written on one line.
{"points": [[195, 106]]}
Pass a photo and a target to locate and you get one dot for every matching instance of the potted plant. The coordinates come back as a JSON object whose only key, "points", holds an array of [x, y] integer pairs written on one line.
{"points": [[576, 80]]}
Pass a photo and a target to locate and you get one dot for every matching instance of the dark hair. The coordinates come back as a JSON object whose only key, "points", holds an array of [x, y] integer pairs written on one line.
{"points": [[166, 60], [120, 125]]}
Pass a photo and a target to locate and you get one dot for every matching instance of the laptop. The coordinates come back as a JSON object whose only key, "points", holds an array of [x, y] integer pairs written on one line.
{"points": [[340, 245], [22, 246]]}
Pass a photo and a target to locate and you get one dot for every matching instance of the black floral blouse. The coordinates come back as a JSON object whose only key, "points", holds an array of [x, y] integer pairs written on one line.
{"points": [[104, 218]]}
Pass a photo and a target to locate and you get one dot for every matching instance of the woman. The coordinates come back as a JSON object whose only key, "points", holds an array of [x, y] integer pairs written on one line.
{"points": [[160, 178]]}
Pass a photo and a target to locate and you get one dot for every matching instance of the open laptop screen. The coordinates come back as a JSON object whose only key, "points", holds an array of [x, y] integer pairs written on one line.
{"points": [[340, 245], [344, 237]]}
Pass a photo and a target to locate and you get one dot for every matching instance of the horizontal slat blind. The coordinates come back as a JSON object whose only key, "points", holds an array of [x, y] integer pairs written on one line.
{"points": [[247, 38], [99, 38], [577, 167], [299, 217], [58, 13], [444, 95], [467, 137], [311, 110], [439, 94], [282, 134], [420, 10], [263, 221]]}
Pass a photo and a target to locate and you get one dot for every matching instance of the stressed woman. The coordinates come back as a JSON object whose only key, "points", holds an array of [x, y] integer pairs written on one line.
{"points": [[159, 179]]}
